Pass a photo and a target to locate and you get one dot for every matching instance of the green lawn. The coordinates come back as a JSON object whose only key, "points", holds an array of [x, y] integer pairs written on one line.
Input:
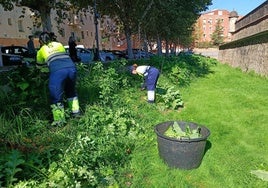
{"points": [[113, 143], [233, 105]]}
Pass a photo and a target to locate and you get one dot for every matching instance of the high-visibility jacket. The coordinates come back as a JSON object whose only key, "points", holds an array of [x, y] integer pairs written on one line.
{"points": [[55, 56]]}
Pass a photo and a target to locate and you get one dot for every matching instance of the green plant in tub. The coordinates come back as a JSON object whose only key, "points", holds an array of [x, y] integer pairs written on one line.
{"points": [[175, 131]]}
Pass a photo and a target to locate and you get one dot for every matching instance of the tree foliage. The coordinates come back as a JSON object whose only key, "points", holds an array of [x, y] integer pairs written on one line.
{"points": [[169, 20], [128, 14], [217, 36]]}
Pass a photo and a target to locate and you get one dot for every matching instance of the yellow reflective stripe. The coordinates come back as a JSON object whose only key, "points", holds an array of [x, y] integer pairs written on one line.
{"points": [[73, 104]]}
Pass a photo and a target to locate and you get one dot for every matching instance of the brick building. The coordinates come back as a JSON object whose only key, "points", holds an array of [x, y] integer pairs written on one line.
{"points": [[18, 24], [206, 24]]}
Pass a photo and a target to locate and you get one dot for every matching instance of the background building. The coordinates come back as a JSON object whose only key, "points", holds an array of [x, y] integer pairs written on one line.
{"points": [[18, 24], [206, 25]]}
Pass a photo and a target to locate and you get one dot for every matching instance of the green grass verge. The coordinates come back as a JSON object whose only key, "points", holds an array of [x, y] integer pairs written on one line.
{"points": [[233, 105], [114, 144]]}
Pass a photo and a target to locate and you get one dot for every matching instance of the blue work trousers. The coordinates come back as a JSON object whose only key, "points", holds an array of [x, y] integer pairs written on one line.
{"points": [[62, 82], [151, 78]]}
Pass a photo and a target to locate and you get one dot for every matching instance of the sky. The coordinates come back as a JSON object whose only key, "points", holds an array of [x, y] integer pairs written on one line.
{"points": [[242, 7]]}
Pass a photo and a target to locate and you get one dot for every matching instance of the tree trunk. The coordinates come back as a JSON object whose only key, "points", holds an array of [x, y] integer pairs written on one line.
{"points": [[46, 19], [167, 48], [159, 46], [129, 44]]}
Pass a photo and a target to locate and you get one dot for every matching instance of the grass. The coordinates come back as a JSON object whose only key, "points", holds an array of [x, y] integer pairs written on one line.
{"points": [[233, 105]]}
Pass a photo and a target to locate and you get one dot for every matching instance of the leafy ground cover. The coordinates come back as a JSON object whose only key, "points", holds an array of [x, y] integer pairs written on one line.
{"points": [[113, 143]]}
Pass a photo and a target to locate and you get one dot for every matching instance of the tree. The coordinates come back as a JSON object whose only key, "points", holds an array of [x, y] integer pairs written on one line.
{"points": [[173, 20], [217, 36], [198, 33], [127, 13], [157, 19]]}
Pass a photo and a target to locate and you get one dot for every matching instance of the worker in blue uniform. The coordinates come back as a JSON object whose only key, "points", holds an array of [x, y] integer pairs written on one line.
{"points": [[62, 76], [151, 75]]}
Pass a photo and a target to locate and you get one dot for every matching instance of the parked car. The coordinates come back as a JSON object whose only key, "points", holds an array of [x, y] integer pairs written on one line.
{"points": [[85, 55], [119, 54], [16, 55], [106, 56], [139, 54], [186, 52], [16, 50]]}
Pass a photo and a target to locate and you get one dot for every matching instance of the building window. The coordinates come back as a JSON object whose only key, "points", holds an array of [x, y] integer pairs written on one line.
{"points": [[9, 21], [20, 26], [82, 35], [210, 21]]}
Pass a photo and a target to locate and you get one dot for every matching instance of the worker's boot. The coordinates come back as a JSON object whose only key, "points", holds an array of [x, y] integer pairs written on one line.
{"points": [[73, 105], [151, 96], [58, 114]]}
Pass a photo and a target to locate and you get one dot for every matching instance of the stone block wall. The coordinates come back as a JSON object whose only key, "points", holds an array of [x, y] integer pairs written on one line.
{"points": [[252, 29], [254, 22], [247, 58]]}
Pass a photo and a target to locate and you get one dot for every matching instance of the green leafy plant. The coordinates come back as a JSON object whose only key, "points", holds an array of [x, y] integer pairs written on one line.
{"points": [[11, 167], [175, 131], [180, 75], [169, 98], [262, 174], [26, 86]]}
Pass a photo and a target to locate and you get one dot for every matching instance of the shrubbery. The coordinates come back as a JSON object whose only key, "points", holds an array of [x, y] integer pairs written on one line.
{"points": [[91, 150]]}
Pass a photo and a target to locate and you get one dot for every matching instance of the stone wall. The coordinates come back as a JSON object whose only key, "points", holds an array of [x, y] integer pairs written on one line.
{"points": [[252, 29], [248, 58], [254, 22]]}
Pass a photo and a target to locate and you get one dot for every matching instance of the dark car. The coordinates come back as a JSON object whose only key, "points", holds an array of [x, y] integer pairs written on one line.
{"points": [[10, 59], [139, 53], [85, 55], [16, 55], [104, 55], [16, 50], [119, 54]]}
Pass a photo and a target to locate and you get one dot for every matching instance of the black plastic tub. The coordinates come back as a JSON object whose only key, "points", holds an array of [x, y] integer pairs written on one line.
{"points": [[181, 153]]}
